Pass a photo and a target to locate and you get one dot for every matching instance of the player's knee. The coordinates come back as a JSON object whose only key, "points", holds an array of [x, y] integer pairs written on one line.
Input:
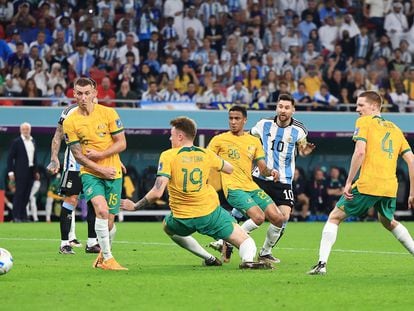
{"points": [[258, 219], [72, 200]]}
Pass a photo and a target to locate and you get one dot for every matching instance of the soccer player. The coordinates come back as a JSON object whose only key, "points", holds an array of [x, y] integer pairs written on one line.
{"points": [[95, 135], [378, 143], [282, 137], [241, 149], [194, 203], [70, 187]]}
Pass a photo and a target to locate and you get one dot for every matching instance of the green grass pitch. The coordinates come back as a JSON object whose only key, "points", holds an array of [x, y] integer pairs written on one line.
{"points": [[368, 270]]}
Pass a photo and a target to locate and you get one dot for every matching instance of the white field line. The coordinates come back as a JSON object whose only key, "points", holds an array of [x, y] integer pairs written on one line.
{"points": [[355, 251]]}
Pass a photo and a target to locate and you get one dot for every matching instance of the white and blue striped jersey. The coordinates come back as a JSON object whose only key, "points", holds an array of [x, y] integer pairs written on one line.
{"points": [[69, 162], [280, 146]]}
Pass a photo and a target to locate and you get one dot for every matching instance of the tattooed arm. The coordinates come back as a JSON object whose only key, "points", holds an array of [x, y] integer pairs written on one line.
{"points": [[54, 164], [155, 193], [105, 172]]}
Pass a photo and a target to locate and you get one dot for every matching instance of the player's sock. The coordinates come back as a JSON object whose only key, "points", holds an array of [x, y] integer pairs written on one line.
{"points": [[247, 250], [401, 233], [249, 225], [91, 223], [102, 231], [112, 234], [329, 233], [65, 221], [191, 244], [72, 232], [48, 208], [272, 236]]}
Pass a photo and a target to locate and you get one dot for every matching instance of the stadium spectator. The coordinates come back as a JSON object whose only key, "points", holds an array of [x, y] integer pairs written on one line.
{"points": [[312, 80], [169, 94], [6, 12], [15, 81], [81, 61], [152, 93], [175, 9], [317, 193], [328, 34], [363, 44], [108, 56], [185, 75], [400, 98], [58, 97], [299, 185], [334, 187], [301, 97], [214, 96], [153, 44], [129, 46], [324, 100], [214, 33], [39, 75], [106, 94], [19, 59], [125, 93], [191, 21], [238, 93], [31, 90], [396, 24]]}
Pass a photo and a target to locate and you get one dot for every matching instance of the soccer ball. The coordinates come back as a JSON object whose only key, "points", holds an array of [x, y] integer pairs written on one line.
{"points": [[6, 261]]}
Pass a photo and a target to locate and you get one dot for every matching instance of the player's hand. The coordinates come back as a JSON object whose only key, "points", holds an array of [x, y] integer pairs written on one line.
{"points": [[108, 172], [411, 202], [124, 170], [348, 192], [53, 167], [93, 155], [127, 205], [308, 148], [275, 175]]}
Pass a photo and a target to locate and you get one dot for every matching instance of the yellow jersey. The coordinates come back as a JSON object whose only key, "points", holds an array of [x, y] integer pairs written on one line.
{"points": [[95, 131], [188, 168], [385, 142], [240, 151]]}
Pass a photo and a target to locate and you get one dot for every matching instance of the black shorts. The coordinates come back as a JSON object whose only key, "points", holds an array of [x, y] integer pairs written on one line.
{"points": [[70, 183], [281, 194]]}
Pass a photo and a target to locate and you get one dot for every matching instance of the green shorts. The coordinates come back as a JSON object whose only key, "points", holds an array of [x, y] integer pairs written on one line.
{"points": [[361, 203], [244, 200], [219, 224], [110, 189]]}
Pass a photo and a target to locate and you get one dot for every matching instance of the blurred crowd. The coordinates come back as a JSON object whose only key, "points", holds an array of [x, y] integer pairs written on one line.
{"points": [[210, 53]]}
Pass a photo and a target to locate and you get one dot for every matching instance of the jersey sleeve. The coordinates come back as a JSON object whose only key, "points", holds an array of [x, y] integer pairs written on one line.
{"points": [[69, 132], [164, 165], [257, 130], [115, 123], [214, 145], [361, 130], [405, 146], [302, 136], [259, 150]]}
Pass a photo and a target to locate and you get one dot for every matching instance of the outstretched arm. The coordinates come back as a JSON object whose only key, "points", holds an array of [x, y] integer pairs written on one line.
{"points": [[155, 193]]}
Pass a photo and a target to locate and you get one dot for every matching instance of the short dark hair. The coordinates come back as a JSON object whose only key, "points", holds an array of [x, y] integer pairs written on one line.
{"points": [[373, 97], [85, 82], [288, 97], [186, 125], [240, 109]]}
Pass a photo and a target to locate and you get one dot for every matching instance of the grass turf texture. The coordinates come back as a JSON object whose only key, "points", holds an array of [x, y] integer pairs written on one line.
{"points": [[368, 270]]}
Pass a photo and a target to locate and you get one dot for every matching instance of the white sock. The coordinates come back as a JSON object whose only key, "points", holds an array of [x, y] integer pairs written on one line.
{"points": [[329, 233], [112, 234], [247, 250], [49, 205], [64, 242], [102, 232], [91, 242], [402, 235], [72, 232], [272, 235], [191, 244], [249, 225]]}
